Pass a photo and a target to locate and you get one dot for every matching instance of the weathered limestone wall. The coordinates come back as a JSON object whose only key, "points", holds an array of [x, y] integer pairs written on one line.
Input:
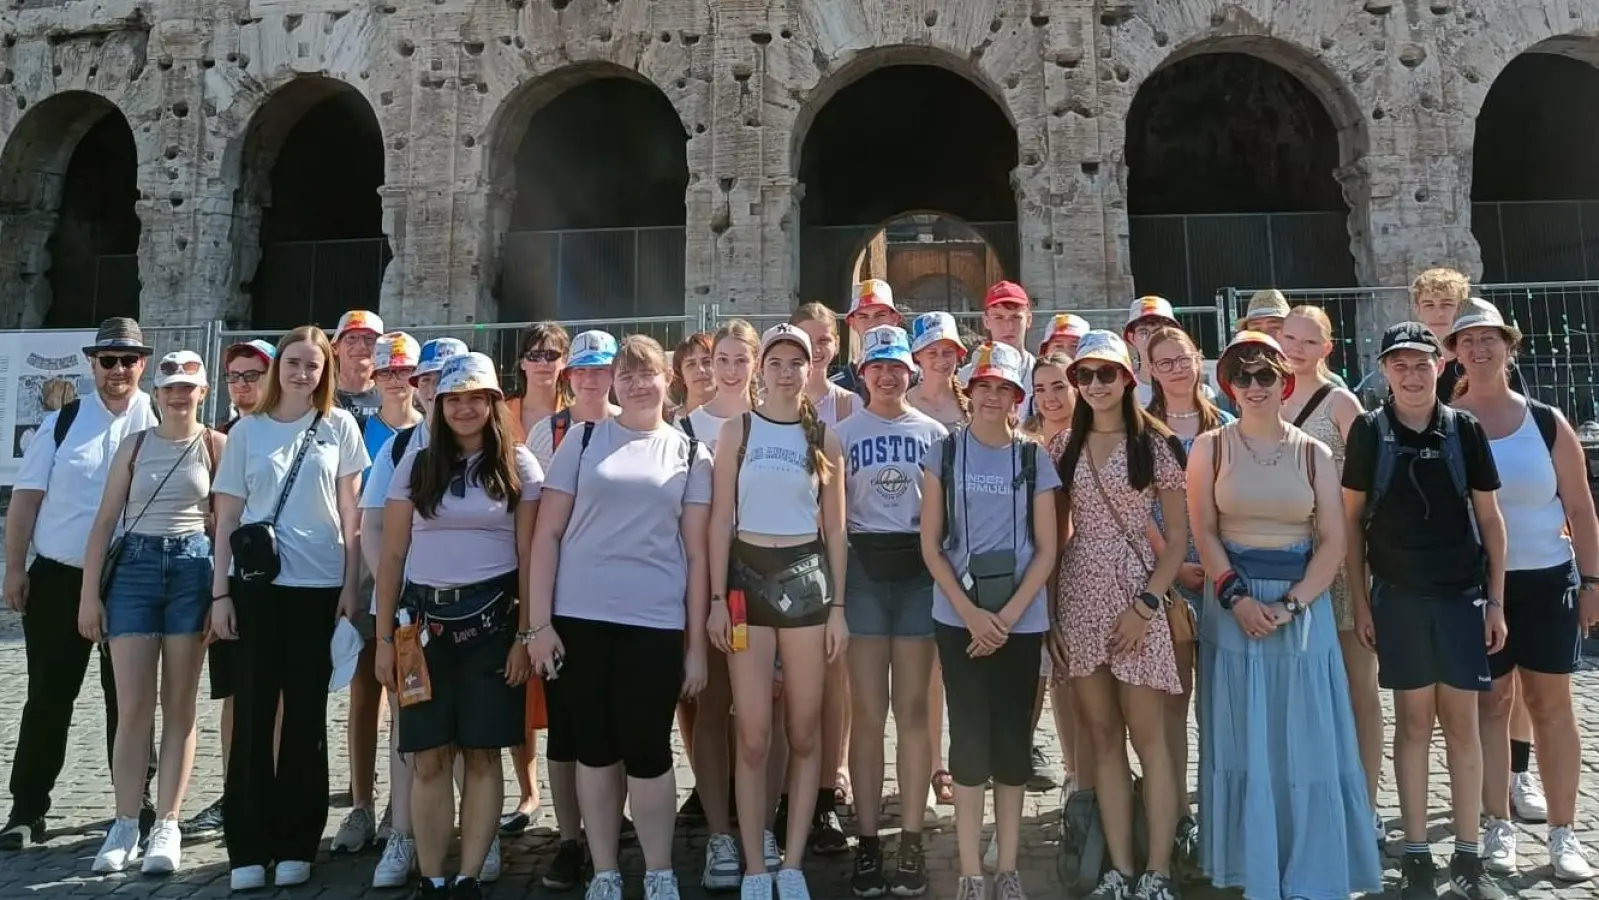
{"points": [[454, 82]]}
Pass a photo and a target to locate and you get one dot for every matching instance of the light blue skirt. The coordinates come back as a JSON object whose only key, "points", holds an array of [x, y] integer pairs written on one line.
{"points": [[1283, 811]]}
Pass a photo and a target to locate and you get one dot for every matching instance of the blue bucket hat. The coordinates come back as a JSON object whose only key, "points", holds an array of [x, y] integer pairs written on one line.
{"points": [[888, 343], [435, 354], [592, 350]]}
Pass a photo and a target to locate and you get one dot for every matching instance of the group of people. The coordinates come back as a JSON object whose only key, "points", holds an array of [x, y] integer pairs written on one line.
{"points": [[775, 555]]}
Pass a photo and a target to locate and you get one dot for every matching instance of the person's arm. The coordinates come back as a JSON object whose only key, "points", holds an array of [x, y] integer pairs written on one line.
{"points": [[932, 535], [1344, 409], [1043, 565], [724, 505], [113, 500], [1170, 491], [1331, 530], [832, 524], [1571, 485], [390, 558], [27, 496], [229, 510], [544, 554], [1201, 478], [348, 488]]}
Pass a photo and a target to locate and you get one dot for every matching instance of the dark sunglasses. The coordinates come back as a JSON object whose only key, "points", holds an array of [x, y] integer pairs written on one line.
{"points": [[1263, 377], [109, 361], [250, 377], [542, 356], [1082, 376], [189, 367]]}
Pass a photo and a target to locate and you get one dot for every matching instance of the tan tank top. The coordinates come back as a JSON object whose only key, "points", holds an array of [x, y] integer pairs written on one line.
{"points": [[1264, 500]]}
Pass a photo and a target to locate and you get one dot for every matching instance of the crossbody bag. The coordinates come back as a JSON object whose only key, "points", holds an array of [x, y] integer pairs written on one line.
{"points": [[1179, 617], [256, 559]]}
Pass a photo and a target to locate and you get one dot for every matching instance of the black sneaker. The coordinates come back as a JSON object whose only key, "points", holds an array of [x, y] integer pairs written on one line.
{"points": [[1041, 779], [1418, 876], [910, 872], [1185, 857], [427, 890], [566, 870], [868, 879], [692, 812], [1467, 879], [628, 833], [466, 889], [205, 823], [18, 833], [827, 833]]}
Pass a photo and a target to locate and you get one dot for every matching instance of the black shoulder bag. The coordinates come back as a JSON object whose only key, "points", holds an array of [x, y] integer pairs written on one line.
{"points": [[255, 546]]}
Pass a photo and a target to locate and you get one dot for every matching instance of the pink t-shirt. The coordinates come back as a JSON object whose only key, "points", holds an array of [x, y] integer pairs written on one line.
{"points": [[469, 539]]}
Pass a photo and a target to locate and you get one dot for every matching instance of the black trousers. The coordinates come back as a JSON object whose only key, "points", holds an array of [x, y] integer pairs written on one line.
{"points": [[274, 810], [58, 658], [990, 702]]}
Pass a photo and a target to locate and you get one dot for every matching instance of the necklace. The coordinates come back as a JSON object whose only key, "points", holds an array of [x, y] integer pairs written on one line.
{"points": [[1186, 415], [1269, 460]]}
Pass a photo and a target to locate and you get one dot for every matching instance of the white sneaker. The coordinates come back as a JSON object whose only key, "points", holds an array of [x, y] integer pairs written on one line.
{"points": [[604, 886], [247, 878], [756, 887], [164, 853], [1567, 856], [661, 884], [1499, 847], [991, 855], [356, 832], [774, 856], [492, 864], [791, 885], [121, 847], [399, 858], [289, 873], [1526, 798], [722, 869]]}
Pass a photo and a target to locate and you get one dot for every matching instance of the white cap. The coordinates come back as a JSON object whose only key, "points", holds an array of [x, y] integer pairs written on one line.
{"points": [[785, 332], [346, 652], [180, 367], [592, 350]]}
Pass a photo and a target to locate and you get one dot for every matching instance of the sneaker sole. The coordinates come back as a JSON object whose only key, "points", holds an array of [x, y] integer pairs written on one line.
{"points": [[870, 893], [899, 891], [721, 882], [160, 868], [347, 850]]}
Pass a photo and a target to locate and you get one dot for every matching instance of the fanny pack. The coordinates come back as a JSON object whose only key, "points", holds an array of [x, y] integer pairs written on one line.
{"points": [[796, 591], [255, 546], [465, 615], [991, 579], [889, 557]]}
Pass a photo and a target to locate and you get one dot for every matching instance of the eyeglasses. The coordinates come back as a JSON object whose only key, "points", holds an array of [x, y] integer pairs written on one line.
{"points": [[542, 356], [1083, 376], [1263, 377], [187, 367], [1175, 364], [402, 373], [109, 361], [250, 377]]}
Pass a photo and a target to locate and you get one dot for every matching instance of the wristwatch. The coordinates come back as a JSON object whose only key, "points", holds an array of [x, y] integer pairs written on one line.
{"points": [[1293, 605], [1151, 601]]}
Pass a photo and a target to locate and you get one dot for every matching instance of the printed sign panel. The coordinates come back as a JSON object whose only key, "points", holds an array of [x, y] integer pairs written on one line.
{"points": [[40, 371]]}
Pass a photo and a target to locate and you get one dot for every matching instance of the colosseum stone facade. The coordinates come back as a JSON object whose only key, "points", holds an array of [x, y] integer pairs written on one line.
{"points": [[466, 161]]}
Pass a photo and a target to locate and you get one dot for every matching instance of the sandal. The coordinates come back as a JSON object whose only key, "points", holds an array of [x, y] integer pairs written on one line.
{"points": [[944, 787]]}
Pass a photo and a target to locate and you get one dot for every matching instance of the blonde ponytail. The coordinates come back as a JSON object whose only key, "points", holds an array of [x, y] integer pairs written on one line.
{"points": [[816, 461]]}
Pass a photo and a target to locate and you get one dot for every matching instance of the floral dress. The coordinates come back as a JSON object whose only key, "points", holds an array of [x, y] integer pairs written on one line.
{"points": [[1100, 577], [1323, 427]]}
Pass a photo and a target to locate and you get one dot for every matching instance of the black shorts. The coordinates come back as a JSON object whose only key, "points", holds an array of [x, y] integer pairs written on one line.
{"points": [[1544, 622], [615, 698], [220, 660], [472, 707], [760, 610], [1424, 641]]}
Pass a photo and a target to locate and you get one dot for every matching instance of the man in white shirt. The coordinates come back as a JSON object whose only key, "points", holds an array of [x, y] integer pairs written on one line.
{"points": [[53, 504]]}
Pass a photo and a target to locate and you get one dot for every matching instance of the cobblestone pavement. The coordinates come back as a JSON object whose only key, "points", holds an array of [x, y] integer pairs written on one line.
{"points": [[83, 807]]}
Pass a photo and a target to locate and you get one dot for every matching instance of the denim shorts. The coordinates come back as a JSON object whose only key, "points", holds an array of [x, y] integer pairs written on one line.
{"points": [[900, 609], [161, 586]]}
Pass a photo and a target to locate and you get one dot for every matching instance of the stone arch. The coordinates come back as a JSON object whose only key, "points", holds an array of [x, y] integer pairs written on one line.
{"points": [[967, 152], [587, 169], [1237, 158], [1534, 189], [43, 177], [308, 223]]}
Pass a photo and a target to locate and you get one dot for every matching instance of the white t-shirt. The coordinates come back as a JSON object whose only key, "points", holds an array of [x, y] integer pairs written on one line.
{"points": [[254, 466], [73, 475], [541, 438], [707, 427]]}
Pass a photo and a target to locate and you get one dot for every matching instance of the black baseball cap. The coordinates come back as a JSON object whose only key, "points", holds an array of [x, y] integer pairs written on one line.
{"points": [[1409, 336]]}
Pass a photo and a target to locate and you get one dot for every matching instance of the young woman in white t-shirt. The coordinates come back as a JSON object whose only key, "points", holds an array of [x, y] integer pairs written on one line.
{"points": [[456, 532], [777, 536], [277, 804], [733, 350], [618, 603]]}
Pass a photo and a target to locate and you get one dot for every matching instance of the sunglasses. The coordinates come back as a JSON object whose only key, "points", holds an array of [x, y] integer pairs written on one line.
{"points": [[542, 356], [1263, 377], [188, 367], [401, 374], [1083, 376], [250, 377], [109, 361]]}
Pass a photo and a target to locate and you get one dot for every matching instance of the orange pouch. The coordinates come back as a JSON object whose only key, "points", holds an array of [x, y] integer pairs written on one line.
{"points": [[537, 711], [738, 613], [416, 686]]}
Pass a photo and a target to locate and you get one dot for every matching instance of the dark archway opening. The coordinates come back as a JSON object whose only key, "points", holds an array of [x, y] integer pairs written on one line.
{"points": [[903, 138], [1231, 163], [596, 229], [1534, 185], [322, 246], [94, 250]]}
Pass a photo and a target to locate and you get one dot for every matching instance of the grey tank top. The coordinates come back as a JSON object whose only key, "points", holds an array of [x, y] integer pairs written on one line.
{"points": [[181, 505]]}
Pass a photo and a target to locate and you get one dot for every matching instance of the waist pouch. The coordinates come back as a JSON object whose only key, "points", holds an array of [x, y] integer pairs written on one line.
{"points": [[889, 557], [464, 615], [1269, 565], [796, 591], [991, 579]]}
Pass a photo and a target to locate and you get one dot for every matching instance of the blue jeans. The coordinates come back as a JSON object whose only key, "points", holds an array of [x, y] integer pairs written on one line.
{"points": [[161, 586]]}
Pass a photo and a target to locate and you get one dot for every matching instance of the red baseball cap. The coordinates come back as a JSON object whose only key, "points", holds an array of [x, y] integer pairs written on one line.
{"points": [[1006, 293]]}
